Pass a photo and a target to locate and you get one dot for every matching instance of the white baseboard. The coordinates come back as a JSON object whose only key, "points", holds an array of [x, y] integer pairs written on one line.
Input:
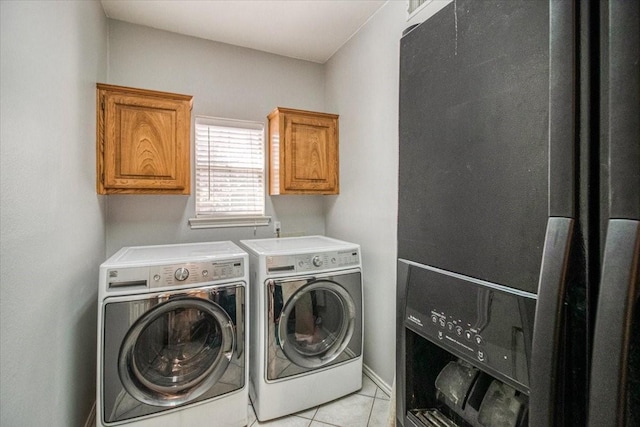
{"points": [[377, 380], [91, 419]]}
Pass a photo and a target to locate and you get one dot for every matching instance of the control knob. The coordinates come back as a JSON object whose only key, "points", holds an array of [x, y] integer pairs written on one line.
{"points": [[181, 274], [316, 261]]}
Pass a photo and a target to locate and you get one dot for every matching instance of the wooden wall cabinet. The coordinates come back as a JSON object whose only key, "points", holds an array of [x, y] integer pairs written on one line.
{"points": [[303, 152], [143, 141]]}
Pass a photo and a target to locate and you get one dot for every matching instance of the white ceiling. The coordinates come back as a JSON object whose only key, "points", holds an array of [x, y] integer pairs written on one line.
{"points": [[312, 30]]}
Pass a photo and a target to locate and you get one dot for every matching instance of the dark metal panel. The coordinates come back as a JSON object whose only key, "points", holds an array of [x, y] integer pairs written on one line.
{"points": [[562, 107], [624, 109], [615, 372], [473, 193]]}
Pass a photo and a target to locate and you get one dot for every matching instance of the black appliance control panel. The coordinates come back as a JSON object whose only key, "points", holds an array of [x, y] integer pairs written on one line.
{"points": [[488, 325]]}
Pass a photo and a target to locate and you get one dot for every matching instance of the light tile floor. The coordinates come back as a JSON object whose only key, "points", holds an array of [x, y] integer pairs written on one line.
{"points": [[368, 407]]}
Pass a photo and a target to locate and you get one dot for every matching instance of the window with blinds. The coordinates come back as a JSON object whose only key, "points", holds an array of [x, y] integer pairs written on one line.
{"points": [[230, 173]]}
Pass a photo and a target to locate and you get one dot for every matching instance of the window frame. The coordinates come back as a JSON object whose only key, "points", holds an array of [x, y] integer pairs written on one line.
{"points": [[218, 220]]}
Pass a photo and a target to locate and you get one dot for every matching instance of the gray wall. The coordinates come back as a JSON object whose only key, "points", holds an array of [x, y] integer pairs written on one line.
{"points": [[52, 238], [362, 85], [225, 81]]}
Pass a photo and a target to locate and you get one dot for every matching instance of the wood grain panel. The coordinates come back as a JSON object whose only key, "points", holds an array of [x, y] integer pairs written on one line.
{"points": [[303, 152], [143, 141], [146, 146]]}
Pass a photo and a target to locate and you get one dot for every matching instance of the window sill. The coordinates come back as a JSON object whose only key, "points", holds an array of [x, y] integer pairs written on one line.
{"points": [[231, 221]]}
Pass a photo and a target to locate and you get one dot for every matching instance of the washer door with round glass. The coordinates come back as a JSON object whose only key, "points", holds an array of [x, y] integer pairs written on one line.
{"points": [[175, 350], [317, 322]]}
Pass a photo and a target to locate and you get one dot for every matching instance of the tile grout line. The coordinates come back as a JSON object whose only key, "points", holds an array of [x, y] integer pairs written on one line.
{"points": [[373, 402]]}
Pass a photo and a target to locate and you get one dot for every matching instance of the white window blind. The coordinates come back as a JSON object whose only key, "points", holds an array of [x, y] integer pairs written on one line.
{"points": [[230, 175]]}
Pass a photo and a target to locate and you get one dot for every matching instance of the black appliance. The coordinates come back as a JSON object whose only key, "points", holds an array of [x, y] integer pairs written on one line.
{"points": [[519, 215]]}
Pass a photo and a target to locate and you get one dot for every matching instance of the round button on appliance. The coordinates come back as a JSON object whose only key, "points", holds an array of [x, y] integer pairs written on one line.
{"points": [[317, 262], [181, 274]]}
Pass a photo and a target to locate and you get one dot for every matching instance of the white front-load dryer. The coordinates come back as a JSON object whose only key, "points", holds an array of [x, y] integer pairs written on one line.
{"points": [[173, 336], [306, 330]]}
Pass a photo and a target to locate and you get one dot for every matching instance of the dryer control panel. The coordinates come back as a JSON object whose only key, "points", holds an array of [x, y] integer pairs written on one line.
{"points": [[312, 261], [184, 274]]}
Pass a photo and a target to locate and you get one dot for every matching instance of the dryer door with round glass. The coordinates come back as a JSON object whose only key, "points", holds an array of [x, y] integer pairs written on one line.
{"points": [[169, 350], [315, 322]]}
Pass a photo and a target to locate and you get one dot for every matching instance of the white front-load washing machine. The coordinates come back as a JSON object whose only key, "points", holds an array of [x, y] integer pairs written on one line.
{"points": [[306, 328], [173, 336]]}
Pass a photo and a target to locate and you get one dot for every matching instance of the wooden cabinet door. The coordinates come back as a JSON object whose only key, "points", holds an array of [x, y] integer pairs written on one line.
{"points": [[305, 158], [144, 141]]}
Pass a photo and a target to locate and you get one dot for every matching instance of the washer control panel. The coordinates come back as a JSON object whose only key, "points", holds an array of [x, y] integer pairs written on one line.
{"points": [[312, 261], [197, 272], [183, 274]]}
